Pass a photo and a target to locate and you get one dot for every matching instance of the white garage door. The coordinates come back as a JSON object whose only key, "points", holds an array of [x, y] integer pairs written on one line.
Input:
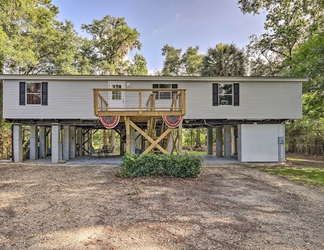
{"points": [[259, 142]]}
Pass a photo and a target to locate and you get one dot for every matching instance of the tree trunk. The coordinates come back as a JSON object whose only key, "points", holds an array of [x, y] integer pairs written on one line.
{"points": [[1, 121], [198, 142], [105, 137], [113, 140]]}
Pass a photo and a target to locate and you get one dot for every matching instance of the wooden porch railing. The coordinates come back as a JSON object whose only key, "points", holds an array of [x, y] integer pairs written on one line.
{"points": [[139, 102]]}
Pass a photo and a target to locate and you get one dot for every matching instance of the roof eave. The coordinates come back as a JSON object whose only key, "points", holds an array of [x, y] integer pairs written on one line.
{"points": [[153, 78]]}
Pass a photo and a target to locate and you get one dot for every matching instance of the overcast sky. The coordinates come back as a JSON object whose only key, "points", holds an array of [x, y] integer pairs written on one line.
{"points": [[179, 23]]}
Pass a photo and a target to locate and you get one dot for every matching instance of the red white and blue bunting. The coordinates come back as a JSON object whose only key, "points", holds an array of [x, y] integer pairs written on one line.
{"points": [[109, 121], [172, 121]]}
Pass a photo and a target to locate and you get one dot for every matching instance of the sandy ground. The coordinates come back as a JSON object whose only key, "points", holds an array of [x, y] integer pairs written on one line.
{"points": [[87, 207]]}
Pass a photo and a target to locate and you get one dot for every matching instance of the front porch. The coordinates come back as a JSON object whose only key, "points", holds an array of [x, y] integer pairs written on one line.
{"points": [[158, 115]]}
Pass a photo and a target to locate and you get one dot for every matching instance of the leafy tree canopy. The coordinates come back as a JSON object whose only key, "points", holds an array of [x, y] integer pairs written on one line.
{"points": [[192, 61], [112, 39], [23, 24], [138, 66], [309, 61], [172, 65], [289, 23], [176, 63]]}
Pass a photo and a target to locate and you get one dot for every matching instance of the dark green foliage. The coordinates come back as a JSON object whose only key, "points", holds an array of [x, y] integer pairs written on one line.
{"points": [[224, 60], [157, 165]]}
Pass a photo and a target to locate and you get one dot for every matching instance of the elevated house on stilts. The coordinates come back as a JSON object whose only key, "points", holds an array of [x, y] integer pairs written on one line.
{"points": [[248, 114]]}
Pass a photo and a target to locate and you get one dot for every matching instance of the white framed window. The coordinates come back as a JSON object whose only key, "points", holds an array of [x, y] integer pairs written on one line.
{"points": [[116, 95], [33, 93], [164, 95], [226, 94]]}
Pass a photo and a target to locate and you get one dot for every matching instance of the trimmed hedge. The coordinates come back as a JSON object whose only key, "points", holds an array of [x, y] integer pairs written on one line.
{"points": [[182, 166]]}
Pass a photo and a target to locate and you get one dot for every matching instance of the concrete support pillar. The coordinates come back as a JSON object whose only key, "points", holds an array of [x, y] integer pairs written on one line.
{"points": [[239, 143], [234, 140], [55, 150], [219, 141], [33, 142], [227, 141], [42, 142], [210, 141], [79, 141], [17, 143], [72, 142], [66, 143]]}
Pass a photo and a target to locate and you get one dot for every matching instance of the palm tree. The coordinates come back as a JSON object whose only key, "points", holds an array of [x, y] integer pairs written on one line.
{"points": [[224, 60]]}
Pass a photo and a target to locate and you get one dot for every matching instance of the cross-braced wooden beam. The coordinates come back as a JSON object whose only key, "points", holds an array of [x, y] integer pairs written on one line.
{"points": [[154, 143], [175, 141]]}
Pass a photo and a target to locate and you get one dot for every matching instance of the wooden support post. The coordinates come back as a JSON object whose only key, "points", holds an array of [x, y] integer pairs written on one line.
{"points": [[140, 102], [183, 102], [153, 103], [128, 135], [95, 98], [180, 138]]}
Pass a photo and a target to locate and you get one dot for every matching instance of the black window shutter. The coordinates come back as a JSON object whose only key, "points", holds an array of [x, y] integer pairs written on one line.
{"points": [[215, 94], [236, 94], [44, 93], [22, 93], [156, 86]]}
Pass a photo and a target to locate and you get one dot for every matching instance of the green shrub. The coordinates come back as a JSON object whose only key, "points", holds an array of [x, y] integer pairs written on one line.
{"points": [[153, 164]]}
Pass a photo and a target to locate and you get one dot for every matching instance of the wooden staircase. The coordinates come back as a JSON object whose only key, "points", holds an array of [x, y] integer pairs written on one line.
{"points": [[155, 128], [142, 107]]}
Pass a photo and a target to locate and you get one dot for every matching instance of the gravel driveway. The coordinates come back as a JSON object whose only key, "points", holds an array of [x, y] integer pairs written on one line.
{"points": [[87, 207]]}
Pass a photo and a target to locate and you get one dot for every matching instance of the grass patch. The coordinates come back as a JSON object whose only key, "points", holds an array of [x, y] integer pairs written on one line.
{"points": [[302, 171], [310, 176], [189, 152]]}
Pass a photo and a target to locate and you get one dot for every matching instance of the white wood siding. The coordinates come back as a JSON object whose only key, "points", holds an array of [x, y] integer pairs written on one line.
{"points": [[271, 100], [66, 100], [73, 99]]}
